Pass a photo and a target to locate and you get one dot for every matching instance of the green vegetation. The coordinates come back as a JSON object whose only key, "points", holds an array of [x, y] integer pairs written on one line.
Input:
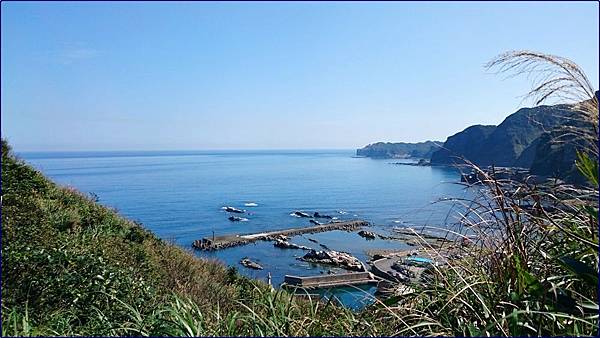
{"points": [[398, 150], [73, 267], [512, 143]]}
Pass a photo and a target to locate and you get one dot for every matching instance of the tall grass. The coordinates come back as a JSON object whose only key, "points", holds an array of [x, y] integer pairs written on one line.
{"points": [[532, 268]]}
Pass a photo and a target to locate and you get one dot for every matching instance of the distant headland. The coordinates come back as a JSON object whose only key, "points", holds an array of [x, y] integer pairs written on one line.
{"points": [[525, 139]]}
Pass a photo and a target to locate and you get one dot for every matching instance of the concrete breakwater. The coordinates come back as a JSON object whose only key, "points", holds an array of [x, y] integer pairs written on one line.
{"points": [[231, 240], [326, 281]]}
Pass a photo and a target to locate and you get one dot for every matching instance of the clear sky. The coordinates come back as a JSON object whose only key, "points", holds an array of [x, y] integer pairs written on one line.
{"points": [[144, 76]]}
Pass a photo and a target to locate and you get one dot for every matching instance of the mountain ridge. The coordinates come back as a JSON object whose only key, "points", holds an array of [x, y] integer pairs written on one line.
{"points": [[513, 143]]}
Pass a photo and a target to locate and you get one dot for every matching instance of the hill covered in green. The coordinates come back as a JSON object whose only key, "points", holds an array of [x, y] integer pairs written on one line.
{"points": [[399, 150], [73, 267], [510, 144]]}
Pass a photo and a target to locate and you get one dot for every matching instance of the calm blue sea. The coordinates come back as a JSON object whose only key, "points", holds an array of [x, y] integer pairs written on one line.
{"points": [[179, 195]]}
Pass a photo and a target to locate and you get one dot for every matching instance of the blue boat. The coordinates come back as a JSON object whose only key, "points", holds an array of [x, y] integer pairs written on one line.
{"points": [[418, 261]]}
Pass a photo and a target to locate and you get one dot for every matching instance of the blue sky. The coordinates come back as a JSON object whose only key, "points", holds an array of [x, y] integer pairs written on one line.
{"points": [[144, 76]]}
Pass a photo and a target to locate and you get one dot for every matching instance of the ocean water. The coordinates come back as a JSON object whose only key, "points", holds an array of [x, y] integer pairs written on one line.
{"points": [[179, 195]]}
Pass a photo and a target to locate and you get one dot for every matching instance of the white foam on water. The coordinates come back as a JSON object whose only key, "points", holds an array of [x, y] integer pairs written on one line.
{"points": [[251, 204]]}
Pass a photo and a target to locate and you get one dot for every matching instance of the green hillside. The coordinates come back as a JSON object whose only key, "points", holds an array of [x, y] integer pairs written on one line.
{"points": [[512, 143], [399, 150]]}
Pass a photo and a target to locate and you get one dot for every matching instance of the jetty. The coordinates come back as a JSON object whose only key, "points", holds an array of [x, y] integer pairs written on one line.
{"points": [[231, 240], [327, 281]]}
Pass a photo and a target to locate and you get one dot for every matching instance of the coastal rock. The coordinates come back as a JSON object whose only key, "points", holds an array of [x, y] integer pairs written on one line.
{"points": [[287, 245], [367, 234], [198, 244], [318, 215], [324, 246], [250, 264], [234, 210], [336, 258], [277, 238], [237, 219], [301, 214], [401, 273], [403, 269], [315, 222], [422, 163]]}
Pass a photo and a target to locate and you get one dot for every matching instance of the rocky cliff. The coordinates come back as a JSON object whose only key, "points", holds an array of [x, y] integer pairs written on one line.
{"points": [[465, 144], [514, 142]]}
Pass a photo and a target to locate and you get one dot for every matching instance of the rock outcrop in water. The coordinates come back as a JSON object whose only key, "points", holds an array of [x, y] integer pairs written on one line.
{"points": [[367, 234], [301, 214], [399, 150], [284, 244], [250, 264], [234, 210], [336, 258], [277, 238], [318, 215]]}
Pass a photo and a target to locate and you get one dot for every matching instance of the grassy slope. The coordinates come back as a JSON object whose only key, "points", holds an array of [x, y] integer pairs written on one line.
{"points": [[71, 266]]}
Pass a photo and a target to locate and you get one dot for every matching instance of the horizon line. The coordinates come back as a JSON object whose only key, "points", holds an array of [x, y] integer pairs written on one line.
{"points": [[177, 150]]}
